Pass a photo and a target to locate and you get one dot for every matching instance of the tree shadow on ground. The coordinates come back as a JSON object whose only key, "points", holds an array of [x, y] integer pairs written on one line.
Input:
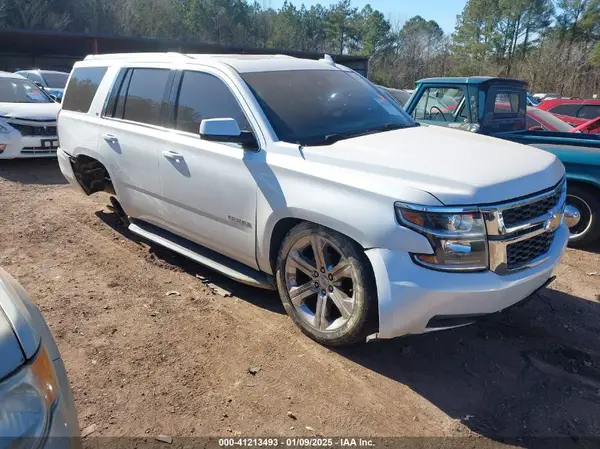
{"points": [[530, 371], [32, 171]]}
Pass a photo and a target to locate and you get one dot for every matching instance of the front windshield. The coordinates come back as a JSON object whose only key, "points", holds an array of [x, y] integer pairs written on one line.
{"points": [[15, 90], [55, 80], [316, 107], [551, 119]]}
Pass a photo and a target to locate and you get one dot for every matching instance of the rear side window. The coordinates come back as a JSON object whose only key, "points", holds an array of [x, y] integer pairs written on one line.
{"points": [[589, 111], [203, 96], [506, 103], [566, 109], [146, 96], [82, 87], [140, 95]]}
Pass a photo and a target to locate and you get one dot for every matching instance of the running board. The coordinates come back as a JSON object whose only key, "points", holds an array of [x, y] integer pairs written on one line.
{"points": [[204, 256]]}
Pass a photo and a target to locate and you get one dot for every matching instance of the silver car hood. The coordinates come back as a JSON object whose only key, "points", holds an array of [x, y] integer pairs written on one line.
{"points": [[18, 339]]}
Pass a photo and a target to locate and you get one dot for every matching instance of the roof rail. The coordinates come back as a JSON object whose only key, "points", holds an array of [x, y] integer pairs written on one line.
{"points": [[137, 56]]}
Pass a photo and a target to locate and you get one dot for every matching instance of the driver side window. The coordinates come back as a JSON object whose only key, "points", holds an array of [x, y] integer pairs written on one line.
{"points": [[441, 104]]}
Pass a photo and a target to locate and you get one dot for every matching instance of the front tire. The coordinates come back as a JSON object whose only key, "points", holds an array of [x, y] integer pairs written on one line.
{"points": [[326, 285], [587, 230]]}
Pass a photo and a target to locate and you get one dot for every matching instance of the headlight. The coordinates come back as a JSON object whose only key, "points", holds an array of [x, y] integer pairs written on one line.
{"points": [[458, 238], [26, 401], [4, 129]]}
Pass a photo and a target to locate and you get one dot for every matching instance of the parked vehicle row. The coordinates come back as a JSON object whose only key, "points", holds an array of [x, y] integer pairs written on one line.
{"points": [[51, 81], [574, 112], [498, 108], [300, 176]]}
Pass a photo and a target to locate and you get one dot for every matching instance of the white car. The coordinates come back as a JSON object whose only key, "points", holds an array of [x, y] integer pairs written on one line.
{"points": [[27, 119], [297, 175]]}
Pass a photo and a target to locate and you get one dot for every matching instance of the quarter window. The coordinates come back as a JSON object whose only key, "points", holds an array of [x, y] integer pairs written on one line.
{"points": [[203, 96], [82, 87]]}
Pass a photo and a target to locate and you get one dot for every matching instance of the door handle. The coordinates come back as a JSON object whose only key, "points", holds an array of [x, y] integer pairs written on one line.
{"points": [[172, 155], [110, 138]]}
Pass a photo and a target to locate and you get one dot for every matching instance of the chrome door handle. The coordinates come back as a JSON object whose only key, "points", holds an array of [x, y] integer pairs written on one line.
{"points": [[172, 155], [110, 138]]}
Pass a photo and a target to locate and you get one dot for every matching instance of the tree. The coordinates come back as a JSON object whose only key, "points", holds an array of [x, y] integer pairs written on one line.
{"points": [[341, 26], [373, 32]]}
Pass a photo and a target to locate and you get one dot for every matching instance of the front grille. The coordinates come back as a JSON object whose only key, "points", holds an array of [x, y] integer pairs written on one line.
{"points": [[525, 251], [38, 150], [529, 211], [37, 130], [517, 235]]}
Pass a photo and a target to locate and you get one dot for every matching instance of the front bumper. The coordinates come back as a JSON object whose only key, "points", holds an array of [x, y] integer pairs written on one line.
{"points": [[18, 146], [410, 295]]}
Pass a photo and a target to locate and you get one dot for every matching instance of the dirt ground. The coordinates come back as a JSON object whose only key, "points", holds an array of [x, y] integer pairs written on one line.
{"points": [[144, 363]]}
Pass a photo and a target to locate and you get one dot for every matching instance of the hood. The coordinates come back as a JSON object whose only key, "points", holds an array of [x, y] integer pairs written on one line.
{"points": [[18, 338], [457, 167], [30, 111]]}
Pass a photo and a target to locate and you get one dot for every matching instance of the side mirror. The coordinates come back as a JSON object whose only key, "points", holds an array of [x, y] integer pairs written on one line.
{"points": [[38, 84], [226, 130]]}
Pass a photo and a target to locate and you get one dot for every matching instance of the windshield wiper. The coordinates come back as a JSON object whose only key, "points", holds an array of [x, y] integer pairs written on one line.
{"points": [[329, 139], [386, 127]]}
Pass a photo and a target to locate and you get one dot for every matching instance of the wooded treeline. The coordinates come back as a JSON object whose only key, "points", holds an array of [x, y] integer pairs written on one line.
{"points": [[553, 44]]}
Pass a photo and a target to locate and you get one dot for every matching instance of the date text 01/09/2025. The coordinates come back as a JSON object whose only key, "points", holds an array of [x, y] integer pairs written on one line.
{"points": [[296, 442]]}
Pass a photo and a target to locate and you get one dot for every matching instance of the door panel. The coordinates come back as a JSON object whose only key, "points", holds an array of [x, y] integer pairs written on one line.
{"points": [[208, 191], [132, 133]]}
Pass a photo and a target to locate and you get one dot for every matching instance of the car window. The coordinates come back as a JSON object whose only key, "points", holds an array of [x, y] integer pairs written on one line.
{"points": [[203, 96], [566, 109], [146, 95], [55, 80], [319, 107], [439, 104], [506, 103], [21, 90], [589, 111], [33, 77], [82, 88]]}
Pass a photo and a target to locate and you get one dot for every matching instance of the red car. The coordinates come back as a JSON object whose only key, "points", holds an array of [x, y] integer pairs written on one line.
{"points": [[574, 112], [538, 120]]}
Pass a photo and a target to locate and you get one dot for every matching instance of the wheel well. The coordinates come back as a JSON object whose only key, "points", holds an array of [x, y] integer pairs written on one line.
{"points": [[92, 175], [282, 227], [583, 184]]}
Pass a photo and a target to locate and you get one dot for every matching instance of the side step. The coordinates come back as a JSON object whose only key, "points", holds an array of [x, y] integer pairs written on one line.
{"points": [[204, 256]]}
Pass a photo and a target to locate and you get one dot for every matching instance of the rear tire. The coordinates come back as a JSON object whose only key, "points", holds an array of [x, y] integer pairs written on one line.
{"points": [[326, 285], [587, 230]]}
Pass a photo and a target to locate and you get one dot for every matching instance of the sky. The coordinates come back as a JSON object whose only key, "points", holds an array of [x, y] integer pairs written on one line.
{"points": [[444, 12]]}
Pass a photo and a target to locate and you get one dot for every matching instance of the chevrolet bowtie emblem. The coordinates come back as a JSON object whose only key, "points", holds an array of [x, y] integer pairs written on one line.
{"points": [[553, 223]]}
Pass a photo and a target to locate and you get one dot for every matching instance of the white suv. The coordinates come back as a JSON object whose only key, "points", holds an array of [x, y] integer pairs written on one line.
{"points": [[298, 175]]}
